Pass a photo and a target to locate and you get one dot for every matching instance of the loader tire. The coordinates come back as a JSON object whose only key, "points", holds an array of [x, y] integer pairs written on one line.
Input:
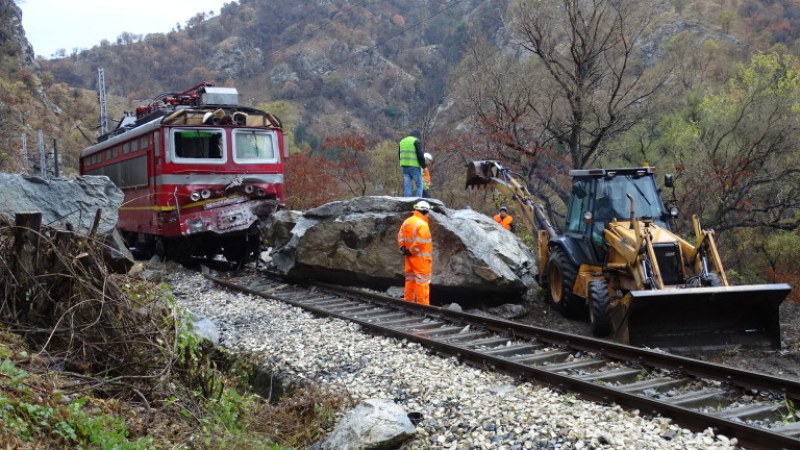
{"points": [[599, 308], [561, 275]]}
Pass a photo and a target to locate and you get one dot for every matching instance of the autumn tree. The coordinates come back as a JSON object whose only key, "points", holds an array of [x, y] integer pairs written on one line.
{"points": [[735, 151], [384, 169], [348, 161], [308, 184], [593, 84], [577, 82]]}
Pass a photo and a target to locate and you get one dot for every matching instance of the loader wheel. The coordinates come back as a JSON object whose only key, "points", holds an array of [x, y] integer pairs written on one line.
{"points": [[599, 308], [561, 275]]}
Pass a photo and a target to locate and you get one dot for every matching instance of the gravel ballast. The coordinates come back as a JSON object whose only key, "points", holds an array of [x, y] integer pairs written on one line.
{"points": [[463, 407]]}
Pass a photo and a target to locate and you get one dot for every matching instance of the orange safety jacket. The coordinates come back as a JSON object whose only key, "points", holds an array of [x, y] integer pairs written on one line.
{"points": [[426, 178], [415, 234], [506, 223]]}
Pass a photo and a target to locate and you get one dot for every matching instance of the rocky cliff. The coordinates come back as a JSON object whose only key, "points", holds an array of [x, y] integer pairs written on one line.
{"points": [[16, 50]]}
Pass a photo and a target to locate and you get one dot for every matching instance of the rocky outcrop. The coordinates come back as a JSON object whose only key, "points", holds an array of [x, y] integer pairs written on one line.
{"points": [[63, 203], [13, 42], [354, 242], [70, 205]]}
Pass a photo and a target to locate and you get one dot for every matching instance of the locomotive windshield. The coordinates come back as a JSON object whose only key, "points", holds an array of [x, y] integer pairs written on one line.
{"points": [[250, 146], [206, 145]]}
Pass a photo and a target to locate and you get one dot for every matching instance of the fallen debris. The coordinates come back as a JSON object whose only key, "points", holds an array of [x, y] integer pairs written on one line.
{"points": [[354, 242]]}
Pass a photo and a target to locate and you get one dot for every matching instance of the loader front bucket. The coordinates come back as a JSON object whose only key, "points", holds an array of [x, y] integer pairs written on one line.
{"points": [[707, 318], [480, 173]]}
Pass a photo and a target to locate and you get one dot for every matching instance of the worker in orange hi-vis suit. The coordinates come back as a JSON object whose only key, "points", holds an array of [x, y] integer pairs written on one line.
{"points": [[426, 176], [414, 241], [504, 219]]}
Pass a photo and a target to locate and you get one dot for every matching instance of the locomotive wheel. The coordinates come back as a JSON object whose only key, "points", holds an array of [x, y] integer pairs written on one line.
{"points": [[599, 308], [160, 248], [244, 248], [561, 275], [235, 251]]}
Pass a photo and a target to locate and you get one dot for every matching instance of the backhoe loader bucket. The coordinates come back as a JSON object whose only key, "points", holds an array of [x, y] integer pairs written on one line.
{"points": [[707, 318], [480, 173]]}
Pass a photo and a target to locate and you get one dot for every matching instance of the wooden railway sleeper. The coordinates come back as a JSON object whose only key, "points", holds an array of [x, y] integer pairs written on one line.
{"points": [[325, 302], [469, 335], [621, 374], [512, 350], [698, 399], [756, 411], [352, 310], [420, 326], [398, 322], [542, 358], [488, 342], [789, 429], [444, 331], [655, 384], [383, 314], [576, 364]]}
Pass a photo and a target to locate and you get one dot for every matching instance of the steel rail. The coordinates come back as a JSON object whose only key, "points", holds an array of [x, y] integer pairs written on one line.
{"points": [[431, 326]]}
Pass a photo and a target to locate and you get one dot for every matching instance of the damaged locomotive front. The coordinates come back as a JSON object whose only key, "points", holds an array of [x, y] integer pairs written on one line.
{"points": [[200, 172]]}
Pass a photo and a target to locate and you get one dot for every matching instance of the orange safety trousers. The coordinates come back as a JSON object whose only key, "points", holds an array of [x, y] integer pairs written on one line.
{"points": [[415, 235]]}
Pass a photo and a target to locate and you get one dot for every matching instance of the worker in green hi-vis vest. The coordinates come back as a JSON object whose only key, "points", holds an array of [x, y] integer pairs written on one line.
{"points": [[412, 162]]}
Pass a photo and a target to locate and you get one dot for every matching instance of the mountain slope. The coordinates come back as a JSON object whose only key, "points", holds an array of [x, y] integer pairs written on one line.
{"points": [[358, 66]]}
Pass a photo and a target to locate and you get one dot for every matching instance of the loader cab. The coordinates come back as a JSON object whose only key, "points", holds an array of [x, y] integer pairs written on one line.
{"points": [[600, 196]]}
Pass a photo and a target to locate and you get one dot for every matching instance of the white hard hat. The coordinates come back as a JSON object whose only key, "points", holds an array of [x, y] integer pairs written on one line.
{"points": [[422, 205], [428, 156]]}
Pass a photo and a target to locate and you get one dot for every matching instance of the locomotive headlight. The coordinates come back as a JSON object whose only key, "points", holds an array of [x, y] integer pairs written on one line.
{"points": [[205, 193], [249, 189], [195, 196], [261, 193]]}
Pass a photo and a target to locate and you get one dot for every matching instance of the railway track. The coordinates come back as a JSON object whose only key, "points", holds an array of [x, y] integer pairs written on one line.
{"points": [[756, 409]]}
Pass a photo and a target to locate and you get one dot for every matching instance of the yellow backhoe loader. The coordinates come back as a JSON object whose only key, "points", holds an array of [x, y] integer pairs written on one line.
{"points": [[618, 262]]}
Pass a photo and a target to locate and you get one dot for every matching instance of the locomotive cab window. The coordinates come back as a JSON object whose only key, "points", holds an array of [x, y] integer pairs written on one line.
{"points": [[251, 146], [198, 146]]}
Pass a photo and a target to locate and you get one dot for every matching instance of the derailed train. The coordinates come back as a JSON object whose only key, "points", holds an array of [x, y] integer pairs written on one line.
{"points": [[200, 173]]}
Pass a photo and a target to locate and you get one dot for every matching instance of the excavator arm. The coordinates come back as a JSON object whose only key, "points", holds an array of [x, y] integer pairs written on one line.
{"points": [[488, 172], [485, 172]]}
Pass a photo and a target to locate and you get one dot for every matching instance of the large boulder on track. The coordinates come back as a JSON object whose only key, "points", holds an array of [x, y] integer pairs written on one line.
{"points": [[354, 242]]}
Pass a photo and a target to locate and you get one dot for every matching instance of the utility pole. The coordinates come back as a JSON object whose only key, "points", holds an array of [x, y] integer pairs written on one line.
{"points": [[25, 161], [56, 172], [101, 97], [42, 157]]}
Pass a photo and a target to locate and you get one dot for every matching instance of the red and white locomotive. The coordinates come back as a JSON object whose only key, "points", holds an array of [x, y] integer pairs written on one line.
{"points": [[199, 171]]}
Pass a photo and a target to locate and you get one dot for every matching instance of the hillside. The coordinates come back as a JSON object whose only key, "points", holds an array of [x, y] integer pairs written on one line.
{"points": [[682, 85], [365, 67]]}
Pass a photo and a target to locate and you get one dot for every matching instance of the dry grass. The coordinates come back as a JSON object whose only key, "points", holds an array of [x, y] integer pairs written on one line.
{"points": [[88, 356]]}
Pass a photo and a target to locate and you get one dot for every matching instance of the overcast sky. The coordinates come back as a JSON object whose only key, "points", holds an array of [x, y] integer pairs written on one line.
{"points": [[55, 24]]}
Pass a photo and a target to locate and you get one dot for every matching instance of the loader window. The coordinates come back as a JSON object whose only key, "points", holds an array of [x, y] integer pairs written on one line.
{"points": [[611, 198], [575, 217]]}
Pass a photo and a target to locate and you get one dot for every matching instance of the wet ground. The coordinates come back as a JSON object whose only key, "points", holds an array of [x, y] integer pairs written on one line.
{"points": [[783, 363]]}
